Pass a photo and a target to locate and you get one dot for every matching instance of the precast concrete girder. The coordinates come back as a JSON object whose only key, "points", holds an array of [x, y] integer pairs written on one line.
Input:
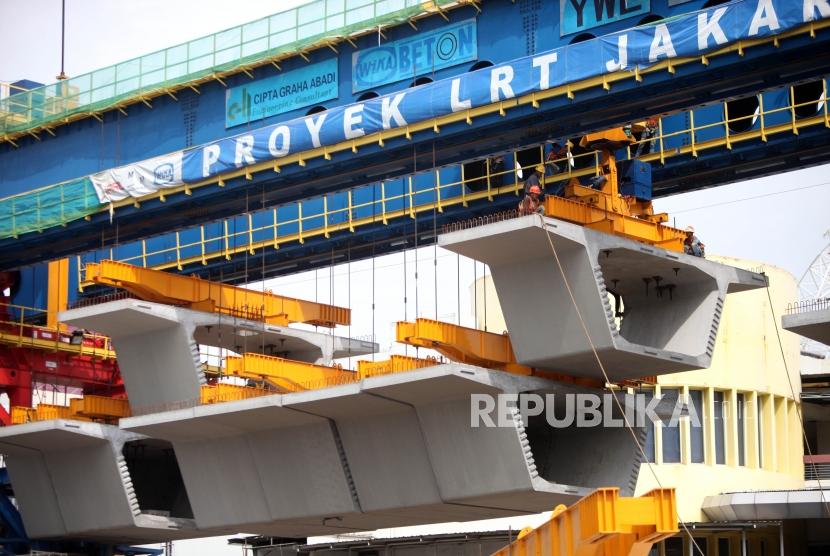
{"points": [[72, 479], [158, 345], [392, 450], [814, 325], [666, 319]]}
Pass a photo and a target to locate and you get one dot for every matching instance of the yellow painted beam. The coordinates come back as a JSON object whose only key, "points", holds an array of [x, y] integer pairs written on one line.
{"points": [[174, 289], [462, 344], [99, 408], [221, 392], [476, 347], [57, 292], [395, 364], [287, 375], [596, 217], [19, 340], [602, 524]]}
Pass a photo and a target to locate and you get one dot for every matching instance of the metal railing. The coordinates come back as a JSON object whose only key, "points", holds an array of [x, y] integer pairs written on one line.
{"points": [[286, 33], [817, 468], [808, 305], [20, 327], [61, 203], [314, 223]]}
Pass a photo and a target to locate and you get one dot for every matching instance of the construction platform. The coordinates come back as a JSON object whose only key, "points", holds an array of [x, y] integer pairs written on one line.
{"points": [[665, 318]]}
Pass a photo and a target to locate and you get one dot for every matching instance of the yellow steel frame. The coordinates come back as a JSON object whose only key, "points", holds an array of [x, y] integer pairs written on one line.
{"points": [[12, 334], [87, 408], [57, 291], [602, 524], [475, 347], [395, 364], [604, 209], [99, 407], [174, 289], [221, 392], [287, 375], [462, 344]]}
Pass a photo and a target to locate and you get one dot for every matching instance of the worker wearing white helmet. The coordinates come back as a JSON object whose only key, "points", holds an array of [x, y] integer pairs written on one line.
{"points": [[692, 245]]}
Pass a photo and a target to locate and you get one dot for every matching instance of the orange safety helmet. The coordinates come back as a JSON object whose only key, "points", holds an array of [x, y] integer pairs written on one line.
{"points": [[535, 189]]}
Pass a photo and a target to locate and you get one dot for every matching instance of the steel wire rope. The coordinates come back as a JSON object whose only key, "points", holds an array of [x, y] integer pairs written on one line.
{"points": [[374, 242], [415, 215], [405, 292], [262, 274], [608, 382], [458, 286], [750, 198], [792, 391], [349, 296], [436, 177]]}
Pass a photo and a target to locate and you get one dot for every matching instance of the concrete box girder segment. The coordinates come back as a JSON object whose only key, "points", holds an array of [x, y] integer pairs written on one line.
{"points": [[814, 325], [387, 451], [672, 302], [158, 345], [71, 480]]}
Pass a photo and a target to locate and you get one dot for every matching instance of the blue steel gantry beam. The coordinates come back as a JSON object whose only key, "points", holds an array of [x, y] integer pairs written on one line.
{"points": [[733, 73]]}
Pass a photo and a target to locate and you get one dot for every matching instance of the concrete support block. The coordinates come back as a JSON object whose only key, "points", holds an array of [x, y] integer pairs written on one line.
{"points": [[71, 479], [814, 325], [158, 346], [671, 302]]}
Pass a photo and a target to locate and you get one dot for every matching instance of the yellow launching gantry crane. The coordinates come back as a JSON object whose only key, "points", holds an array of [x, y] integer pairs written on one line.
{"points": [[604, 208]]}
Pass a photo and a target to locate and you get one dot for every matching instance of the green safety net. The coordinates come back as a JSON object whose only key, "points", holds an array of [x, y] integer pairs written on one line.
{"points": [[282, 33], [47, 207]]}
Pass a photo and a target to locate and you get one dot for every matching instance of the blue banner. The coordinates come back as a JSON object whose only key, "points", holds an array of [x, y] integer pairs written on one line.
{"points": [[298, 88], [688, 35], [407, 59], [578, 15]]}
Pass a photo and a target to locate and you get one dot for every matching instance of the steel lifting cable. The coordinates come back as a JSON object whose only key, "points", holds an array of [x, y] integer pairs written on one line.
{"points": [[792, 391], [484, 292], [262, 273], [331, 285], [608, 382], [475, 293], [437, 179], [458, 286], [349, 295], [374, 242], [415, 179]]}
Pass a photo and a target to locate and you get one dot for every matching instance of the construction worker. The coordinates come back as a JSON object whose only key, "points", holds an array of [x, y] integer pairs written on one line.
{"points": [[692, 245], [535, 178], [532, 203], [647, 138]]}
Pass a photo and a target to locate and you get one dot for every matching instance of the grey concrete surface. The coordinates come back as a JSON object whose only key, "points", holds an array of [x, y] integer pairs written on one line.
{"points": [[158, 345], [768, 505], [671, 302], [814, 325], [71, 480], [389, 451]]}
